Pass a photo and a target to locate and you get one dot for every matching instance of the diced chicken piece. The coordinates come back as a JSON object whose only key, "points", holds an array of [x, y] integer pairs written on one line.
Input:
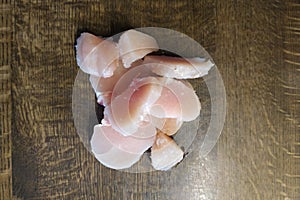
{"points": [[135, 45], [165, 153], [117, 159], [96, 56], [143, 98], [125, 143], [143, 130], [171, 126], [103, 95], [128, 111], [99, 143], [179, 68], [180, 100], [158, 123], [167, 105], [168, 126], [103, 87], [116, 151], [134, 73]]}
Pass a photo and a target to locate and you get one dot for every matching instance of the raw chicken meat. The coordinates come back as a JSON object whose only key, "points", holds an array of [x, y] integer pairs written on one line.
{"points": [[117, 159], [103, 87], [171, 126], [144, 101], [179, 68], [166, 106], [135, 45], [165, 153], [125, 143], [97, 56], [102, 90], [129, 110], [180, 100], [168, 126], [116, 151], [143, 130], [99, 143], [134, 73]]}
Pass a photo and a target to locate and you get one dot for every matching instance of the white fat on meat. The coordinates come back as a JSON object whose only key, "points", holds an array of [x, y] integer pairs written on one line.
{"points": [[96, 56], [135, 45], [179, 68]]}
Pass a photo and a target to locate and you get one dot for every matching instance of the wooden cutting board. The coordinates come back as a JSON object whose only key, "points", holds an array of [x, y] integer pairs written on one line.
{"points": [[256, 46]]}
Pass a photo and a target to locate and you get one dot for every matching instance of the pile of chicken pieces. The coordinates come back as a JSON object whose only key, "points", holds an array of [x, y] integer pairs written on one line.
{"points": [[146, 98]]}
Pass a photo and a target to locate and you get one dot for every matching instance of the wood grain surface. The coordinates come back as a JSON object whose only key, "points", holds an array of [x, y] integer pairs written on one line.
{"points": [[5, 100], [256, 46]]}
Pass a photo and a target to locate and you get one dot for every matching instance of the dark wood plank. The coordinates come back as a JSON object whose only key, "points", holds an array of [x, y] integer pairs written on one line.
{"points": [[5, 99], [255, 45], [48, 150], [258, 152]]}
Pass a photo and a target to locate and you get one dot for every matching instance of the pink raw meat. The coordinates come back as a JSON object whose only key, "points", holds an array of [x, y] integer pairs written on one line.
{"points": [[97, 56], [116, 151], [135, 45], [188, 101], [128, 111], [125, 143], [179, 68], [103, 87], [165, 153], [167, 105]]}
